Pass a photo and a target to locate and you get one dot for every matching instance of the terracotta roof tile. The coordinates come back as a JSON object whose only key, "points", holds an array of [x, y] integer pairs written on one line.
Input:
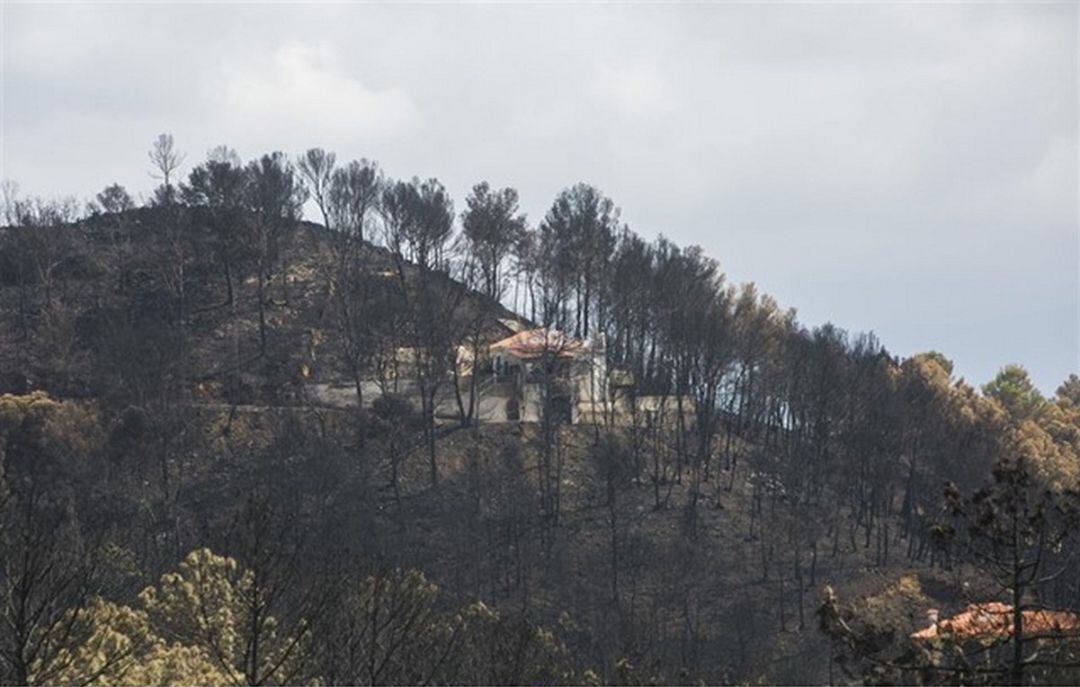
{"points": [[533, 343], [993, 620]]}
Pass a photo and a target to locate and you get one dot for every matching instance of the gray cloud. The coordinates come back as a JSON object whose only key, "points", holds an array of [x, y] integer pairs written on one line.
{"points": [[906, 168]]}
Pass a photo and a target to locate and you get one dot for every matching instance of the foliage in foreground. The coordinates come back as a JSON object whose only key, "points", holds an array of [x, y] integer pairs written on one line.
{"points": [[206, 623]]}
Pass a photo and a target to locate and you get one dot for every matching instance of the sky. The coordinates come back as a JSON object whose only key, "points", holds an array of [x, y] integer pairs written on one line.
{"points": [[909, 169]]}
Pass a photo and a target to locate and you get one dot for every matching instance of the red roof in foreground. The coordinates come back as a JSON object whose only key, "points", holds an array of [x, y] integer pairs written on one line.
{"points": [[994, 620], [534, 343]]}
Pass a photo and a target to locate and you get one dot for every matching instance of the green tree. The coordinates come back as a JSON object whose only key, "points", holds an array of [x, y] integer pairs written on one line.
{"points": [[1070, 390], [213, 603], [1013, 389]]}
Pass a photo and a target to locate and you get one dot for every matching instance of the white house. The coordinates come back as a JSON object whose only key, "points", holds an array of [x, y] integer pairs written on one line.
{"points": [[575, 371]]}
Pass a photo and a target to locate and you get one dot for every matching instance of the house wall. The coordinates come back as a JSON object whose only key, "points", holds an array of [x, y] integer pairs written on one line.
{"points": [[587, 379]]}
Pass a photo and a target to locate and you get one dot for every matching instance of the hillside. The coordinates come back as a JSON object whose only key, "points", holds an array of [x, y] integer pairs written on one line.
{"points": [[164, 388], [114, 278]]}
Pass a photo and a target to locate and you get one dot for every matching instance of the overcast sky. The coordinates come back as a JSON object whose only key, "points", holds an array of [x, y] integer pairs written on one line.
{"points": [[909, 169]]}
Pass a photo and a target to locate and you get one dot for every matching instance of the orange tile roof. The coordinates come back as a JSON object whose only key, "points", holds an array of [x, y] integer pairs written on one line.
{"points": [[994, 620], [533, 343]]}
